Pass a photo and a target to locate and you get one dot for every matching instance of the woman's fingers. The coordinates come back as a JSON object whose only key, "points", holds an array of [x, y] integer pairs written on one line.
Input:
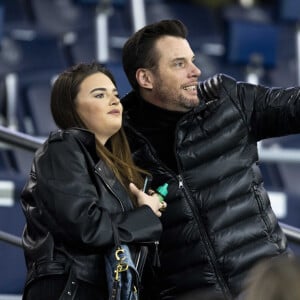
{"points": [[134, 190], [163, 206], [153, 201]]}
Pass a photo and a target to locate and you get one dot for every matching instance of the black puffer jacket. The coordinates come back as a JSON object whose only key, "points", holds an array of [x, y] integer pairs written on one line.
{"points": [[219, 221], [70, 202]]}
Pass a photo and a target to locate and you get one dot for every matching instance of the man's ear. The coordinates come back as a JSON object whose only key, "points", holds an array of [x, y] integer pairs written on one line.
{"points": [[144, 78]]}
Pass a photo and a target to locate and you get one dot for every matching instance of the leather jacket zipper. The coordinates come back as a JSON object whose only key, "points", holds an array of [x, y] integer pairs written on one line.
{"points": [[206, 240], [156, 260], [98, 171], [142, 253], [186, 192]]}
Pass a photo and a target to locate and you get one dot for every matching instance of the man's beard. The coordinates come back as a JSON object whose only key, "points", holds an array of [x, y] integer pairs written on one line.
{"points": [[187, 103], [175, 100]]}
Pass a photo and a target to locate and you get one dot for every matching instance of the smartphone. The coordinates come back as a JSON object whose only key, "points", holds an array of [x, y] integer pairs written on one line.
{"points": [[147, 184]]}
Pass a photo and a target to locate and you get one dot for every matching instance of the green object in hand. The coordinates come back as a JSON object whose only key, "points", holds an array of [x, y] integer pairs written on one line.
{"points": [[162, 192]]}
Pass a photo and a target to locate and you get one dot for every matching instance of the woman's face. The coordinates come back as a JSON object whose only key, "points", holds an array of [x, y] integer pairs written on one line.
{"points": [[99, 107]]}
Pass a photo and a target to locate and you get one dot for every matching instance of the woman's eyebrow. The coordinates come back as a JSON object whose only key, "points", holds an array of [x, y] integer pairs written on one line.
{"points": [[98, 89], [102, 90]]}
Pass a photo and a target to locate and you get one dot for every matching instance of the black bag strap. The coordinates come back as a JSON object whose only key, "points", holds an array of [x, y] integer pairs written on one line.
{"points": [[69, 292]]}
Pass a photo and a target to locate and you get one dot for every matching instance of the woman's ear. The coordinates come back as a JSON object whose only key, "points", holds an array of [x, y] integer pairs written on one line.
{"points": [[144, 78]]}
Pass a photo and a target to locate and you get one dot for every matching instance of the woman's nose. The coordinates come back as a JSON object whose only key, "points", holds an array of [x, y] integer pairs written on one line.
{"points": [[115, 100]]}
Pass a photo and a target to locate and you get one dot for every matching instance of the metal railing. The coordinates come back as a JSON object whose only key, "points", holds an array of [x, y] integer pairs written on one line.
{"points": [[10, 239], [19, 139], [25, 141], [278, 154], [292, 233]]}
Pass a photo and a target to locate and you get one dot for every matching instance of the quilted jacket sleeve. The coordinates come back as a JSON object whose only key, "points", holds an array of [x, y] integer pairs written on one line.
{"points": [[267, 111]]}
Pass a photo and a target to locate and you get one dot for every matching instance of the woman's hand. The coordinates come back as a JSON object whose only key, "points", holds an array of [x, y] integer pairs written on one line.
{"points": [[152, 201]]}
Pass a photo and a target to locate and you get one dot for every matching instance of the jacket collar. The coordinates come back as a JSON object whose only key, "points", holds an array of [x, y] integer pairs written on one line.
{"points": [[84, 135]]}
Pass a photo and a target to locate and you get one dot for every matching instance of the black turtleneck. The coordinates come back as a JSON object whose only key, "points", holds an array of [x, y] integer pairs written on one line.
{"points": [[158, 125]]}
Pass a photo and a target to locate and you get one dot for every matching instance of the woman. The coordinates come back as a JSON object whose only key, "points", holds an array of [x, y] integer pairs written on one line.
{"points": [[82, 183]]}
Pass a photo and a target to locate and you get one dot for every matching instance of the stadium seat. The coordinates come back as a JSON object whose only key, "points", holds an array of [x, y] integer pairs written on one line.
{"points": [[37, 60], [35, 111], [247, 42], [12, 263], [121, 79], [200, 20], [288, 10], [17, 20], [68, 16]]}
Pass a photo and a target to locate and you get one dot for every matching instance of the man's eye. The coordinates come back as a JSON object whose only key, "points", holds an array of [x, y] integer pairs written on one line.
{"points": [[179, 64]]}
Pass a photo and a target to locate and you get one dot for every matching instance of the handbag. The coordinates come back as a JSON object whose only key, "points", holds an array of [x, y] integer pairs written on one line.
{"points": [[122, 275]]}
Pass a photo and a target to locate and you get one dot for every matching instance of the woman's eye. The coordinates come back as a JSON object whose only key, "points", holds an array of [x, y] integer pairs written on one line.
{"points": [[99, 95]]}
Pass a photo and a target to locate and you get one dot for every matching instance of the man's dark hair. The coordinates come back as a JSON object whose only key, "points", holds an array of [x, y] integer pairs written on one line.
{"points": [[138, 51]]}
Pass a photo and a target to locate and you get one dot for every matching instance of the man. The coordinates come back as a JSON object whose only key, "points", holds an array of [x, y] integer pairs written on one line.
{"points": [[201, 139]]}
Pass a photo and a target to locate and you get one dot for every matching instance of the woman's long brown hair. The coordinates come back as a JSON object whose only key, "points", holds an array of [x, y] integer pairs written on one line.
{"points": [[119, 159], [116, 154]]}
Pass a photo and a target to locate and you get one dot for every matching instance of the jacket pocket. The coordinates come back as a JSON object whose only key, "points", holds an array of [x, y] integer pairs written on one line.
{"points": [[262, 201]]}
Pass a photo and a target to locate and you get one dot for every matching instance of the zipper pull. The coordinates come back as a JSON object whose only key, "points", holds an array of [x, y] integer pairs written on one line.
{"points": [[156, 260], [180, 182]]}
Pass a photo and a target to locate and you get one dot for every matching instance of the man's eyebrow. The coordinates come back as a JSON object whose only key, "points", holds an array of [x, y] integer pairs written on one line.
{"points": [[183, 58], [178, 58]]}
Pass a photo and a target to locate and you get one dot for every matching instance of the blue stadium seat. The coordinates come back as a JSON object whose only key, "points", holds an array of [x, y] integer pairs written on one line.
{"points": [[121, 79], [119, 28], [12, 172], [37, 60], [247, 41], [35, 110], [288, 10], [17, 21], [1, 20], [12, 262], [42, 54], [6, 166], [69, 16], [286, 72], [200, 20]]}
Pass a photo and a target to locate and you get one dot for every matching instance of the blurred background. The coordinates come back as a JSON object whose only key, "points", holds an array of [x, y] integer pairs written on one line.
{"points": [[253, 41]]}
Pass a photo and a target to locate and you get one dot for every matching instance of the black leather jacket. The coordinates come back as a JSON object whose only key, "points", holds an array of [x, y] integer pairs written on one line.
{"points": [[219, 221], [70, 202]]}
